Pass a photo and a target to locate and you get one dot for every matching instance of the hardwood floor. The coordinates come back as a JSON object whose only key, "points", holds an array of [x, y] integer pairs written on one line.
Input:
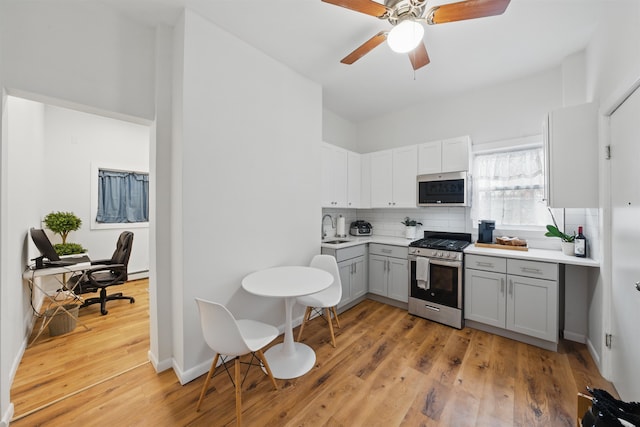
{"points": [[54, 367], [389, 369]]}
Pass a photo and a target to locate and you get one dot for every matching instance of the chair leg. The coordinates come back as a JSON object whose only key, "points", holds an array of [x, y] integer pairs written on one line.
{"points": [[212, 370], [328, 314], [335, 315], [305, 319], [238, 381], [263, 359]]}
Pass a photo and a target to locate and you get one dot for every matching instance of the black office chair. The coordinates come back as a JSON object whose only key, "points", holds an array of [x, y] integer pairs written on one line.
{"points": [[110, 273]]}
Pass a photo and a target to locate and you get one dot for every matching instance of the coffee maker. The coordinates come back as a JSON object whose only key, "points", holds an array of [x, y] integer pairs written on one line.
{"points": [[485, 230]]}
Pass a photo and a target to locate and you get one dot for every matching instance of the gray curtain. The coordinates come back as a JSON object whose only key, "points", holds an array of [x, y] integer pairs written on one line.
{"points": [[122, 197]]}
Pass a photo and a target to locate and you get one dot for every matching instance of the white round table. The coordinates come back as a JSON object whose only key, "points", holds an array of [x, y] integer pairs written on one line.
{"points": [[288, 359]]}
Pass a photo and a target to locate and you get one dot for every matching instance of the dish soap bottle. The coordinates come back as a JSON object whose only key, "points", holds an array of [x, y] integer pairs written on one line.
{"points": [[580, 247]]}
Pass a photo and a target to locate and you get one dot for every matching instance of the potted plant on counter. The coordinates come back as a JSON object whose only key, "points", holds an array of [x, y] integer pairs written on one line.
{"points": [[566, 240], [410, 227]]}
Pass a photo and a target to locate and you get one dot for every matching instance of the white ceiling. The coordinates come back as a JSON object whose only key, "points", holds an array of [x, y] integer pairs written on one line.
{"points": [[312, 37]]}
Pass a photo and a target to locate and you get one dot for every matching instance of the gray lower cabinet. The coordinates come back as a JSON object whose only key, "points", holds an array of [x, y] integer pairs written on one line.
{"points": [[513, 294], [352, 264], [388, 271]]}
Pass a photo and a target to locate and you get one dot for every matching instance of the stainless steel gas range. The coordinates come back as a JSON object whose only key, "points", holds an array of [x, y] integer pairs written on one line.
{"points": [[436, 277]]}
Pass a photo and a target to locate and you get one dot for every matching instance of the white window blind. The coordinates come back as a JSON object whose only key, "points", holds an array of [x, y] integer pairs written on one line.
{"points": [[508, 187]]}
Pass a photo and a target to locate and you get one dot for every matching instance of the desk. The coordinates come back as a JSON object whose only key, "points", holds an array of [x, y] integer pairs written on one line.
{"points": [[58, 299], [288, 359]]}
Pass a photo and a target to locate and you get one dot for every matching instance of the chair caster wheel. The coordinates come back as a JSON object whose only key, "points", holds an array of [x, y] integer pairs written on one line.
{"points": [[132, 300]]}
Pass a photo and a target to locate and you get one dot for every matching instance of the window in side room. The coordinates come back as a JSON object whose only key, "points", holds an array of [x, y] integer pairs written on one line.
{"points": [[123, 197]]}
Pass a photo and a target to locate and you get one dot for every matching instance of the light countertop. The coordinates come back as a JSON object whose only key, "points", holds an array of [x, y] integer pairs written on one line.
{"points": [[546, 255], [361, 240]]}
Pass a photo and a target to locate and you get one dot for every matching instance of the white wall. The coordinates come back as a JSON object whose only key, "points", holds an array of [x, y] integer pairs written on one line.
{"points": [[250, 179], [75, 143], [81, 52], [24, 165], [339, 131], [505, 111]]}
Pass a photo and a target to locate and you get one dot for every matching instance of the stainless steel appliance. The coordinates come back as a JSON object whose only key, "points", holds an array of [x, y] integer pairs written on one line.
{"points": [[360, 228], [436, 277], [440, 189], [485, 231]]}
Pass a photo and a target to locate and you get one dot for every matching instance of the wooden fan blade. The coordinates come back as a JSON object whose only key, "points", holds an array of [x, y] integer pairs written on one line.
{"points": [[365, 48], [469, 9], [419, 57], [368, 7]]}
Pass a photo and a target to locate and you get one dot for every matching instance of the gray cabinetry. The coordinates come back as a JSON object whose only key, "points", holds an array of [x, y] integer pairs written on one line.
{"points": [[352, 264], [388, 271], [513, 295]]}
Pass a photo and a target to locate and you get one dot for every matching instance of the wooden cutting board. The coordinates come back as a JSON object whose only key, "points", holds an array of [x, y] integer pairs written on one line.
{"points": [[497, 246]]}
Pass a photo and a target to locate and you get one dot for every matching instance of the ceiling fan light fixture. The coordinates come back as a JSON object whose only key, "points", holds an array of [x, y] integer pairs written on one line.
{"points": [[405, 36]]}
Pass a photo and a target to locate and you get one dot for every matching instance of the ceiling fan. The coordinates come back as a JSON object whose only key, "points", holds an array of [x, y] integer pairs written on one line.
{"points": [[406, 17]]}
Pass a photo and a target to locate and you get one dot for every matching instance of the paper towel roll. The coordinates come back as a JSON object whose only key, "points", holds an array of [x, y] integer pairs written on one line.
{"points": [[340, 228]]}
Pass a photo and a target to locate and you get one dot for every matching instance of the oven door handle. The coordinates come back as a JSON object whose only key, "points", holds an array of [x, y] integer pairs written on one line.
{"points": [[456, 264]]}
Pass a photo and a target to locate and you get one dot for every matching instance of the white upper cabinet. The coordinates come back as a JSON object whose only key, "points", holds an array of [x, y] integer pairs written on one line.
{"points": [[449, 155], [334, 176], [365, 181], [571, 148], [430, 157], [340, 177], [353, 180], [393, 177]]}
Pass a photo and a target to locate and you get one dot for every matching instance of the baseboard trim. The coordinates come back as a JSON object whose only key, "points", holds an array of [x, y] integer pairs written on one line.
{"points": [[159, 366], [572, 336], [7, 416], [137, 275], [595, 356], [547, 345]]}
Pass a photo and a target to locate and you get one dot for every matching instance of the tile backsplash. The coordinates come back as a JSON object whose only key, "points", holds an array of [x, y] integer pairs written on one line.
{"points": [[388, 222]]}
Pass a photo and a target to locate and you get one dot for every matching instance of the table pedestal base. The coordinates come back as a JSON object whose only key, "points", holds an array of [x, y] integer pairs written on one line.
{"points": [[286, 365]]}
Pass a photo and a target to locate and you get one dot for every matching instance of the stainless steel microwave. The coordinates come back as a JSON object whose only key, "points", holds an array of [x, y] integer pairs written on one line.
{"points": [[442, 189]]}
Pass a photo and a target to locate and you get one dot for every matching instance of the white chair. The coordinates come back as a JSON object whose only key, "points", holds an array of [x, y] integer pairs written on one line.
{"points": [[230, 337], [327, 299]]}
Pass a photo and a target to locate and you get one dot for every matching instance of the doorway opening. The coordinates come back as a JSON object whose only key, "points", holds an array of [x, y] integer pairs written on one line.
{"points": [[51, 150]]}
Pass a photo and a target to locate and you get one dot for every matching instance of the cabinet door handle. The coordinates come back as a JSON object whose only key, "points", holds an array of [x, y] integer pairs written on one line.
{"points": [[531, 270], [502, 286], [355, 268], [386, 251], [485, 264], [510, 287]]}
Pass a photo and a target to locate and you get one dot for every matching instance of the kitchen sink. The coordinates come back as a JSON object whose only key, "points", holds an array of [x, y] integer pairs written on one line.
{"points": [[336, 241]]}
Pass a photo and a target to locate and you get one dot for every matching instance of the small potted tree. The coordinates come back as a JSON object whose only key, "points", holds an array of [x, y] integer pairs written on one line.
{"points": [[63, 223], [410, 227]]}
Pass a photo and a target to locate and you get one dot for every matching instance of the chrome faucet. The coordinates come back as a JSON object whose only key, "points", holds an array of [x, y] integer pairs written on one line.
{"points": [[322, 232]]}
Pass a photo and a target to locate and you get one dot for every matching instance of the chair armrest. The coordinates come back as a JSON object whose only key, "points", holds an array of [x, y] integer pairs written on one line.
{"points": [[115, 268], [101, 261]]}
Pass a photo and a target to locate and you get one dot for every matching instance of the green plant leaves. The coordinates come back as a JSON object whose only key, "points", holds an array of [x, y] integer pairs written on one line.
{"points": [[69, 248], [62, 223]]}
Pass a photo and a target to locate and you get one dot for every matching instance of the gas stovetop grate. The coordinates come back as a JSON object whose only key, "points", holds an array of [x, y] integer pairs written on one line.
{"points": [[445, 241]]}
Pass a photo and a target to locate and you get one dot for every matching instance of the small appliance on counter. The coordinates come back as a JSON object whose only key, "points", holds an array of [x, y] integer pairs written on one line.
{"points": [[360, 228], [485, 230]]}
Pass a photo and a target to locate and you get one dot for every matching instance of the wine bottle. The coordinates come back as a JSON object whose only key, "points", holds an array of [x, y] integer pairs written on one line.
{"points": [[580, 246]]}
